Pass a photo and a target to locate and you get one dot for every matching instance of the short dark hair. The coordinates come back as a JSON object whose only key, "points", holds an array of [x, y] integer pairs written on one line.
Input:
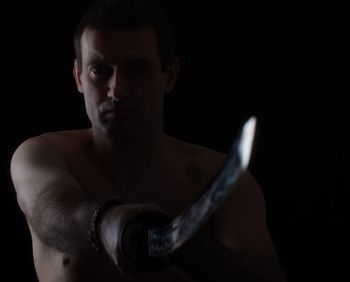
{"points": [[128, 14]]}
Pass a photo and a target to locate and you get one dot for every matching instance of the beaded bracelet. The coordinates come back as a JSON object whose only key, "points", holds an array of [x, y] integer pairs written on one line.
{"points": [[101, 208]]}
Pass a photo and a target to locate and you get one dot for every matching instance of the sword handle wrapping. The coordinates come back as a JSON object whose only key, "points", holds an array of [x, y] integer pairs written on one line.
{"points": [[134, 244]]}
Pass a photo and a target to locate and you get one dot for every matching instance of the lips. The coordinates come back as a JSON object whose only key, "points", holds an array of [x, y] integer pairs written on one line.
{"points": [[118, 112]]}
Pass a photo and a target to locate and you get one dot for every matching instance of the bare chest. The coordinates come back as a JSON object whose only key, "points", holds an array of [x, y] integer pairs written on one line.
{"points": [[171, 190]]}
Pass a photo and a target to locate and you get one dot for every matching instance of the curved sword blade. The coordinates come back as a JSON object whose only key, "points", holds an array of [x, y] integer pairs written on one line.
{"points": [[164, 240]]}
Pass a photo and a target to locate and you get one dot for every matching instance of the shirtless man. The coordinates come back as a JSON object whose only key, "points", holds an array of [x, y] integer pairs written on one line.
{"points": [[124, 65]]}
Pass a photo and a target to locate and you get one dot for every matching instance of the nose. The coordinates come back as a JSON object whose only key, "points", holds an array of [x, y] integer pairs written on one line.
{"points": [[117, 86]]}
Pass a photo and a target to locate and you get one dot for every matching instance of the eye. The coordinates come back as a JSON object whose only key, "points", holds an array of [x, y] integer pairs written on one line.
{"points": [[100, 71], [137, 70]]}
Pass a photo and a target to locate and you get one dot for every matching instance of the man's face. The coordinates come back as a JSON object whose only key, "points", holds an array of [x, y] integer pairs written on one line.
{"points": [[123, 65]]}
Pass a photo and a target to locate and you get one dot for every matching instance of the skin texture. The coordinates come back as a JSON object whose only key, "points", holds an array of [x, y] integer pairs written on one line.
{"points": [[60, 176]]}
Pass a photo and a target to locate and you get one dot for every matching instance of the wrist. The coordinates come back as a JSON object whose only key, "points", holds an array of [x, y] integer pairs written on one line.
{"points": [[96, 218]]}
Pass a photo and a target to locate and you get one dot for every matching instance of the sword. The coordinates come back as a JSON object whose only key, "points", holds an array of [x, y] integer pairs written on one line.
{"points": [[161, 236]]}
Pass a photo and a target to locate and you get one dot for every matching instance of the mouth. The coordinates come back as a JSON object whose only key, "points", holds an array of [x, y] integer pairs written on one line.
{"points": [[118, 113]]}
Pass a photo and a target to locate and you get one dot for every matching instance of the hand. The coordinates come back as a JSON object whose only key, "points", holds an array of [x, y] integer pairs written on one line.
{"points": [[124, 235]]}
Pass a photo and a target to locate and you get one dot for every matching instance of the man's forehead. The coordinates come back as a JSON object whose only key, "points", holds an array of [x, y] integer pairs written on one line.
{"points": [[130, 42]]}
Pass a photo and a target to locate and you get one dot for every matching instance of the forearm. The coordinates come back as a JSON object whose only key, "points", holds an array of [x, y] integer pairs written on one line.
{"points": [[206, 260]]}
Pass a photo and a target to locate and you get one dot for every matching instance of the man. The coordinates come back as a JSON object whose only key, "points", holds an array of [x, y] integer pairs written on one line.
{"points": [[79, 189]]}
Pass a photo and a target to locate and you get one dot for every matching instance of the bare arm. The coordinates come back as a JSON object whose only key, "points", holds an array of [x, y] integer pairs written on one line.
{"points": [[57, 208], [51, 199], [241, 249]]}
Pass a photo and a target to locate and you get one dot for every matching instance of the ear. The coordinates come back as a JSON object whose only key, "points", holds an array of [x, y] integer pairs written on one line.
{"points": [[77, 73], [172, 73]]}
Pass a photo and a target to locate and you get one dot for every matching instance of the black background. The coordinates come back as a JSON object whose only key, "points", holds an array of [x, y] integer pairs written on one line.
{"points": [[287, 62]]}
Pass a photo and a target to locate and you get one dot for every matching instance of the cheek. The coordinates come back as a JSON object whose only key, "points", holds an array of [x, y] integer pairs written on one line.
{"points": [[153, 96], [149, 91], [158, 87], [92, 92], [89, 104], [93, 100]]}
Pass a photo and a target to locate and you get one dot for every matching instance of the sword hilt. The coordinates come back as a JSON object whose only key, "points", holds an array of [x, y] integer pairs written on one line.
{"points": [[134, 244]]}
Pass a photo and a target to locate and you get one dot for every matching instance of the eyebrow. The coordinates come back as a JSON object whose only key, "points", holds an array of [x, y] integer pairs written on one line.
{"points": [[128, 61], [138, 61]]}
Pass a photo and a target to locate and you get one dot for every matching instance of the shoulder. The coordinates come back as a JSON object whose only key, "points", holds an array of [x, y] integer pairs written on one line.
{"points": [[47, 150], [41, 161], [50, 142]]}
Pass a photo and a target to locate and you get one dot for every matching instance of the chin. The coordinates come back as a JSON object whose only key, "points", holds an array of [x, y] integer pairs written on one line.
{"points": [[125, 134]]}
